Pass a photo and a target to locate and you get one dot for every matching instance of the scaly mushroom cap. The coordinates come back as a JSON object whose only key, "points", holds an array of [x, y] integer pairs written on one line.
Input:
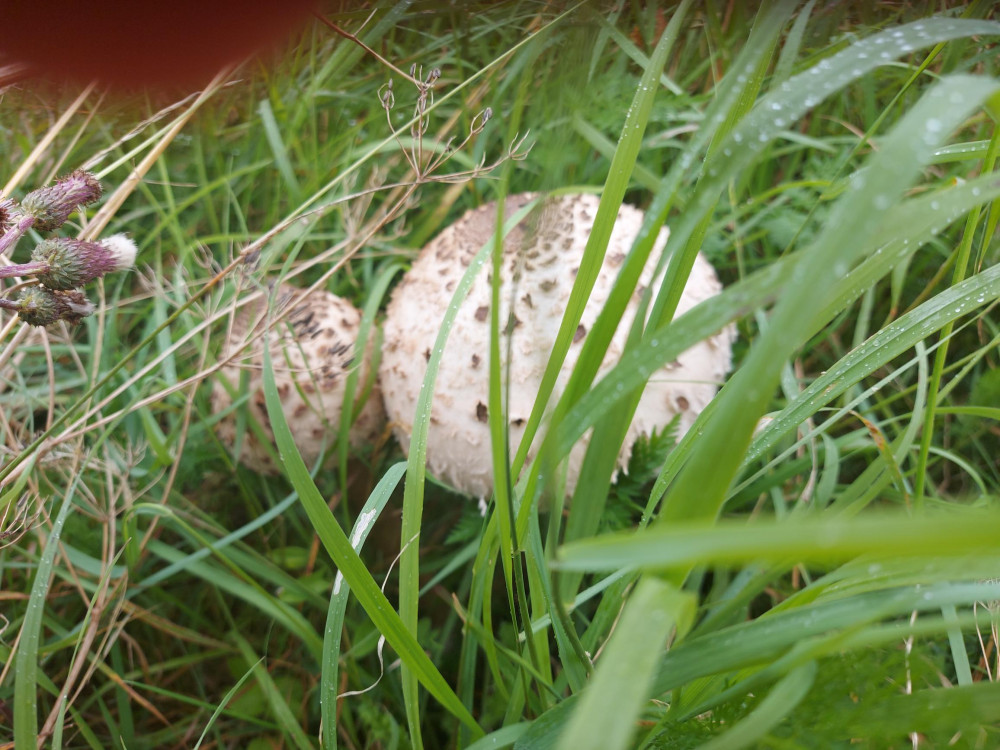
{"points": [[312, 352], [542, 256]]}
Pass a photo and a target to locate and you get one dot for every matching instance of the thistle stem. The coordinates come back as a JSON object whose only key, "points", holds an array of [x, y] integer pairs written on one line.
{"points": [[23, 269], [10, 238]]}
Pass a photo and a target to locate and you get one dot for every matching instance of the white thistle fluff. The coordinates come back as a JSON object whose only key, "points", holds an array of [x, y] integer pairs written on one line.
{"points": [[123, 249], [79, 304]]}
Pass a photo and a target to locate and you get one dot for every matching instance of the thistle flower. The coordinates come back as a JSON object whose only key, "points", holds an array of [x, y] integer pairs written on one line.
{"points": [[51, 206], [39, 306], [72, 263]]}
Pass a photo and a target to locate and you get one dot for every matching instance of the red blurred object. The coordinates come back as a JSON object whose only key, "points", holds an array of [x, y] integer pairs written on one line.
{"points": [[142, 42]]}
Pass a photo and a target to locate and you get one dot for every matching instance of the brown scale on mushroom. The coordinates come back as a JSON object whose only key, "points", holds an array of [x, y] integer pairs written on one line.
{"points": [[310, 374], [553, 237]]}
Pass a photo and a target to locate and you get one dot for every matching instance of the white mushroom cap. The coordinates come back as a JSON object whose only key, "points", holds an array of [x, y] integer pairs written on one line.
{"points": [[541, 259], [312, 352]]}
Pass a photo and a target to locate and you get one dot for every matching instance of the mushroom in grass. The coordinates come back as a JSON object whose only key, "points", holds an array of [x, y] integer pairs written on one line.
{"points": [[540, 262], [312, 352]]}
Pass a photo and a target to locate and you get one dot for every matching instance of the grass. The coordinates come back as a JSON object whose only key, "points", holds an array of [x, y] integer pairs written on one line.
{"points": [[812, 565]]}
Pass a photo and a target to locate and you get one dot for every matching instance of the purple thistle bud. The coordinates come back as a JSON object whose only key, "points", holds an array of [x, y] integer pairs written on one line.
{"points": [[51, 206], [38, 306], [73, 263]]}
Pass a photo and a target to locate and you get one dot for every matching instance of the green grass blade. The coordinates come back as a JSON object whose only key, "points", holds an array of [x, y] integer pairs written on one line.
{"points": [[605, 717], [284, 715], [765, 286], [780, 701], [329, 685], [768, 638], [701, 486], [883, 347], [230, 694], [26, 659], [416, 471], [962, 256], [278, 149], [938, 712], [501, 738], [820, 539], [350, 565], [354, 400], [620, 171], [249, 591]]}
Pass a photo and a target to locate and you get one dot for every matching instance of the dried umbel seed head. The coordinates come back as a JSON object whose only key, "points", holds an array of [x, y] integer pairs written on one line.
{"points": [[73, 263], [6, 214], [51, 206], [312, 352], [39, 306]]}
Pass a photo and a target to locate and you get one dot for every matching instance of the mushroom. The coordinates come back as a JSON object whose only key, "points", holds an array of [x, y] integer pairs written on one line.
{"points": [[312, 352], [541, 258]]}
